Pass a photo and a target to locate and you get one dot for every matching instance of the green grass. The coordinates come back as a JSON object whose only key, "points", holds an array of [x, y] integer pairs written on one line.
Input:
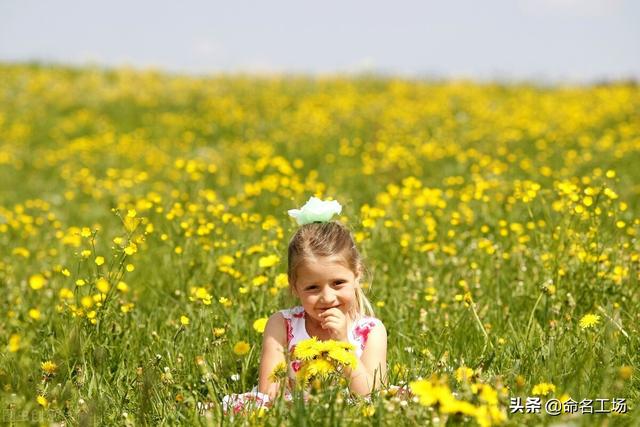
{"points": [[450, 188]]}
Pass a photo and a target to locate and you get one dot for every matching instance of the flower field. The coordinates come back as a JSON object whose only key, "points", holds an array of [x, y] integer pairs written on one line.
{"points": [[143, 238]]}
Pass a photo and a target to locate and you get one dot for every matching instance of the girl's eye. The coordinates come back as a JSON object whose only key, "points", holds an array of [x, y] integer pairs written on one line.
{"points": [[340, 282]]}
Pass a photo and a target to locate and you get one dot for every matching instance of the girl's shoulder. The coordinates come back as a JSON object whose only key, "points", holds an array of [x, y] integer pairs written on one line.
{"points": [[368, 322], [293, 313], [363, 326]]}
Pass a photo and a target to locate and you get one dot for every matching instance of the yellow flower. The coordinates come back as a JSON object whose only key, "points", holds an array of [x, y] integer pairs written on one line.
{"points": [[65, 293], [34, 313], [14, 343], [122, 287], [268, 261], [307, 349], [131, 249], [99, 260], [368, 411], [49, 367], [37, 281], [260, 324], [184, 320], [80, 282], [464, 374], [279, 372], [218, 332], [315, 368], [589, 320], [225, 260], [241, 348], [543, 389], [343, 356], [625, 372], [42, 401], [259, 280], [430, 392], [131, 213], [282, 281], [103, 285]]}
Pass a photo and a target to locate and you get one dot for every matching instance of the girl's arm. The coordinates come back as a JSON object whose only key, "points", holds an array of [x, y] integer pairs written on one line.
{"points": [[372, 366], [273, 351]]}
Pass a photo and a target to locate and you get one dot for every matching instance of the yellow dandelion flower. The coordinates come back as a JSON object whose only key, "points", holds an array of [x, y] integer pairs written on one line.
{"points": [[131, 249], [225, 260], [48, 367], [625, 372], [37, 281], [543, 389], [65, 293], [103, 285], [42, 401], [260, 324], [184, 320], [368, 411], [259, 280], [268, 261], [14, 343], [307, 349], [282, 281], [343, 356], [315, 368], [34, 313], [80, 282], [429, 392], [279, 372], [218, 332], [241, 348], [589, 320], [464, 373], [99, 260]]}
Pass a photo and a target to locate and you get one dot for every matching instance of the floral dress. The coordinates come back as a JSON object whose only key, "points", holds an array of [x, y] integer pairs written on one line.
{"points": [[294, 319]]}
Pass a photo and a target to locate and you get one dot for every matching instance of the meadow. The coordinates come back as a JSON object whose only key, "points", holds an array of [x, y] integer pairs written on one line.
{"points": [[144, 230]]}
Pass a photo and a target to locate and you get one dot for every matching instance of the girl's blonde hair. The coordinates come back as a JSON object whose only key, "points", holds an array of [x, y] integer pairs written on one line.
{"points": [[328, 239]]}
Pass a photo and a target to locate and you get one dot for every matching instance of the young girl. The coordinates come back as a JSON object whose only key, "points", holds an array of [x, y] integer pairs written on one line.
{"points": [[324, 271]]}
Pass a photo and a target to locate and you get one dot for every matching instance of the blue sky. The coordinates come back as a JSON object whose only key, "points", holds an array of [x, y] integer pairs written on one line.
{"points": [[548, 40]]}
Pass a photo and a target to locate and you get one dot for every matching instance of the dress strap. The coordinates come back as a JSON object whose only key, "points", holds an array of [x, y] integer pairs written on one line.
{"points": [[292, 321]]}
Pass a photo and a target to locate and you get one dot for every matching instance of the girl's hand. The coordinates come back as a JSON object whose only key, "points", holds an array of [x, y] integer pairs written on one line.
{"points": [[336, 322]]}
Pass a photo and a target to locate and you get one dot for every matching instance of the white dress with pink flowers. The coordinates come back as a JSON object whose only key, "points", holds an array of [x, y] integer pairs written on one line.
{"points": [[294, 319]]}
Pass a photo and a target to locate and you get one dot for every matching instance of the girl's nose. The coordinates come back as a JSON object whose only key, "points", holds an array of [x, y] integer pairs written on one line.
{"points": [[327, 296]]}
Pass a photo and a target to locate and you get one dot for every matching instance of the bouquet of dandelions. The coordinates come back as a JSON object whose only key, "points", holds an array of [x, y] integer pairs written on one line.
{"points": [[321, 362]]}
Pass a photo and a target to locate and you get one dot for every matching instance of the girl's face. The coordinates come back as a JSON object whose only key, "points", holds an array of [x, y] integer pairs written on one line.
{"points": [[325, 284]]}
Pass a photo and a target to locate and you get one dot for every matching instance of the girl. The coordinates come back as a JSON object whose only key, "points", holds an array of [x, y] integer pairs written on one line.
{"points": [[324, 272]]}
